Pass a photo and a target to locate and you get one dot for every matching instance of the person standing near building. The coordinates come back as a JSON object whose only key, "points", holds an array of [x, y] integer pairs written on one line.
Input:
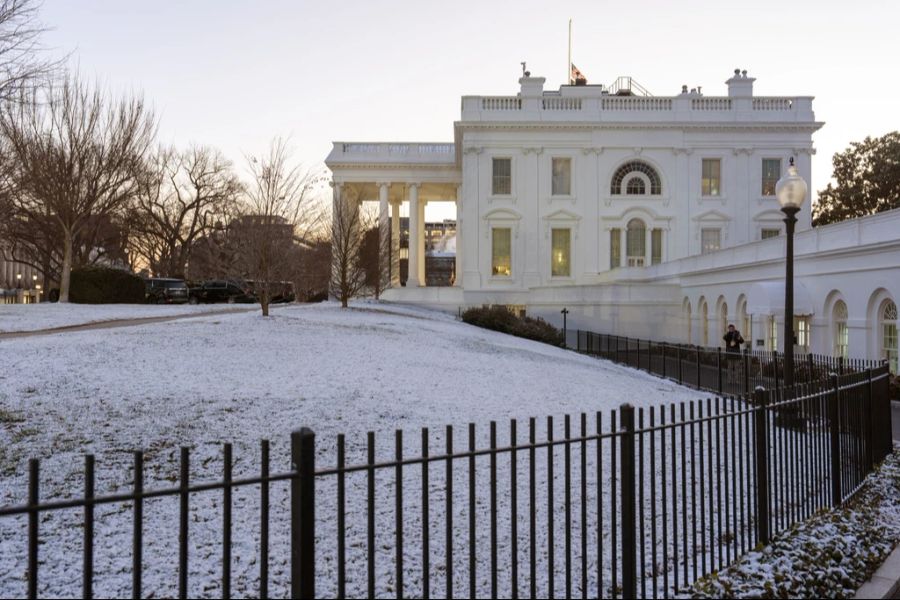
{"points": [[733, 341]]}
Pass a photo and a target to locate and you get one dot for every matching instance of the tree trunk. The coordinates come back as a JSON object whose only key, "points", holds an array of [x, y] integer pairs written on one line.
{"points": [[66, 272], [264, 302]]}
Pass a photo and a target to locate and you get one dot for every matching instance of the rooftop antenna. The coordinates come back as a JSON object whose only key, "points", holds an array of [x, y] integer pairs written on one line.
{"points": [[524, 72], [569, 66]]}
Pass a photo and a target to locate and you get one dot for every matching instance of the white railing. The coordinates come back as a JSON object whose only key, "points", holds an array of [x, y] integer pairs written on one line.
{"points": [[501, 103], [636, 103], [711, 104], [561, 104], [360, 148], [773, 104], [395, 149], [435, 148]]}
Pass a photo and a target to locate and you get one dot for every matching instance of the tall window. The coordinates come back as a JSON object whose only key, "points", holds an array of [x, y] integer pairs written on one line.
{"points": [[771, 173], [636, 243], [621, 176], [802, 329], [773, 333], [889, 334], [560, 261], [615, 248], [656, 246], [704, 324], [841, 332], [561, 184], [711, 177], [770, 233], [501, 252], [710, 240], [501, 184]]}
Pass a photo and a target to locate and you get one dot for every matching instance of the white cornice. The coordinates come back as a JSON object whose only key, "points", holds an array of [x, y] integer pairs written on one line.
{"points": [[809, 127]]}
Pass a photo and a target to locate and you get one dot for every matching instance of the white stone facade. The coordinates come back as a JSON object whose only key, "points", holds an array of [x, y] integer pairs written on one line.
{"points": [[685, 183]]}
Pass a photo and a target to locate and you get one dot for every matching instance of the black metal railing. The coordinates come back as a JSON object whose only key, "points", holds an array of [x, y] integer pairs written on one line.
{"points": [[713, 369], [636, 502]]}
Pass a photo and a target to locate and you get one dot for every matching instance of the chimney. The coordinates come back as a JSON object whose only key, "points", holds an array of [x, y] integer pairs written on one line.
{"points": [[740, 85], [532, 87]]}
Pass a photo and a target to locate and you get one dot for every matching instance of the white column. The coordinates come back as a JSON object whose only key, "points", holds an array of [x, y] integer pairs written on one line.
{"points": [[414, 238], [623, 246], [648, 245], [457, 266], [384, 227], [395, 244], [421, 245]]}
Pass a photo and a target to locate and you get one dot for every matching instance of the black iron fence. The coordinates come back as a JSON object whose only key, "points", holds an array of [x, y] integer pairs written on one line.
{"points": [[636, 502], [714, 369]]}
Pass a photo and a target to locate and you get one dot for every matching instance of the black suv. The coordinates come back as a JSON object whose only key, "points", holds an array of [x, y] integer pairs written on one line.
{"points": [[220, 290], [161, 290]]}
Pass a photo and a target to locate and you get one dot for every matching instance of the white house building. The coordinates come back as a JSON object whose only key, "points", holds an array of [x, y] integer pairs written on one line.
{"points": [[646, 216]]}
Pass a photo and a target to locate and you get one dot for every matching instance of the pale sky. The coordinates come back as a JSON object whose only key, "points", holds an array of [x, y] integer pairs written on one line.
{"points": [[233, 74]]}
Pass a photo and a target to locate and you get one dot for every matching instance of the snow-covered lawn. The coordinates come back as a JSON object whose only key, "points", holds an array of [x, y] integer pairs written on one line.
{"points": [[239, 378], [47, 315]]}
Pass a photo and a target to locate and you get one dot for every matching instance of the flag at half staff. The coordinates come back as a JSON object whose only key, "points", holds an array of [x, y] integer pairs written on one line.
{"points": [[576, 77]]}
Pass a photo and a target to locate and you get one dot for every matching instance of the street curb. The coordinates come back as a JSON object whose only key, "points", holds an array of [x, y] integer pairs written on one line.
{"points": [[885, 583]]}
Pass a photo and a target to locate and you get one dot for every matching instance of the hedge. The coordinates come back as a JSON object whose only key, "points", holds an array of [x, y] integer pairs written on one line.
{"points": [[100, 285], [499, 318]]}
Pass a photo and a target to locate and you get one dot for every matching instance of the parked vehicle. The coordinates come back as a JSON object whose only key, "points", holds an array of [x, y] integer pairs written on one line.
{"points": [[163, 290], [221, 290], [280, 291]]}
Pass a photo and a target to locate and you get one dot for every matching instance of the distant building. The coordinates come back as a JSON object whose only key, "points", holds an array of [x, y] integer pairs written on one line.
{"points": [[645, 216]]}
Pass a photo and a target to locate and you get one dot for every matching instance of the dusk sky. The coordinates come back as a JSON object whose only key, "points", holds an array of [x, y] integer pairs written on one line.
{"points": [[233, 74]]}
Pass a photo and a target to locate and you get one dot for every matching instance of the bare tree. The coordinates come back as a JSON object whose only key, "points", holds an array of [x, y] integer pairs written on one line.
{"points": [[348, 265], [180, 198], [280, 211], [75, 154], [22, 61]]}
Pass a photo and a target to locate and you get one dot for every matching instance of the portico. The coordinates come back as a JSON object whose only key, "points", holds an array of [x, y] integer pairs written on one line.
{"points": [[400, 178]]}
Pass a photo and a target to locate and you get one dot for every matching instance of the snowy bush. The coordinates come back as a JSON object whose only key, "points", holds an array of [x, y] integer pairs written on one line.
{"points": [[499, 318], [828, 556]]}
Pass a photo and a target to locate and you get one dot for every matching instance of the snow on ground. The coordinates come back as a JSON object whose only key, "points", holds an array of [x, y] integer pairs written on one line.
{"points": [[239, 378], [49, 315]]}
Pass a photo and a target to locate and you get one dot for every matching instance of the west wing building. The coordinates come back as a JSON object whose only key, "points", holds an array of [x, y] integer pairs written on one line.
{"points": [[646, 216]]}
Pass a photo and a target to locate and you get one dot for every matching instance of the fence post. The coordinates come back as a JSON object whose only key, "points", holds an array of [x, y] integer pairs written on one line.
{"points": [[761, 449], [746, 371], [303, 537], [775, 366], [874, 440], [834, 427], [617, 349], [629, 523], [680, 370], [840, 365], [719, 368], [663, 347], [809, 362]]}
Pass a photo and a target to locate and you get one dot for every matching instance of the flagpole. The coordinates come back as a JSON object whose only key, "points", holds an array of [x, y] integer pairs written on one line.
{"points": [[569, 66]]}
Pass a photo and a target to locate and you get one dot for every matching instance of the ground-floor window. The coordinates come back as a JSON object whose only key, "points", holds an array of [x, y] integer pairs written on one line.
{"points": [[501, 252], [635, 240], [710, 240], [841, 331], [615, 248], [656, 247], [772, 337], [889, 334], [801, 332], [561, 248]]}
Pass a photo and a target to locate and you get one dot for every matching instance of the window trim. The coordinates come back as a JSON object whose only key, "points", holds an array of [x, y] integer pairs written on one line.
{"points": [[762, 174], [568, 258], [512, 270], [718, 195], [703, 245]]}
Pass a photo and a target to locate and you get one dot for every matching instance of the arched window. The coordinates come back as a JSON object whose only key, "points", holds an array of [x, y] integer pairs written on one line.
{"points": [[743, 318], [888, 327], [636, 243], [839, 327], [636, 166], [635, 187]]}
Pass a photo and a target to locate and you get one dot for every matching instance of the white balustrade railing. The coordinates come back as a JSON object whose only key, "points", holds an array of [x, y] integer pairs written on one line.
{"points": [[773, 104], [501, 103], [397, 149], [711, 104], [561, 103], [636, 103]]}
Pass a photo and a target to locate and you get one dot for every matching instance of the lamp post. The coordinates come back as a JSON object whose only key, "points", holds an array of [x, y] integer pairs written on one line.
{"points": [[564, 312], [791, 192]]}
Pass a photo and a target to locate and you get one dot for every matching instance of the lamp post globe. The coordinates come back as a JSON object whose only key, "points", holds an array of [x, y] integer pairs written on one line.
{"points": [[791, 193]]}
